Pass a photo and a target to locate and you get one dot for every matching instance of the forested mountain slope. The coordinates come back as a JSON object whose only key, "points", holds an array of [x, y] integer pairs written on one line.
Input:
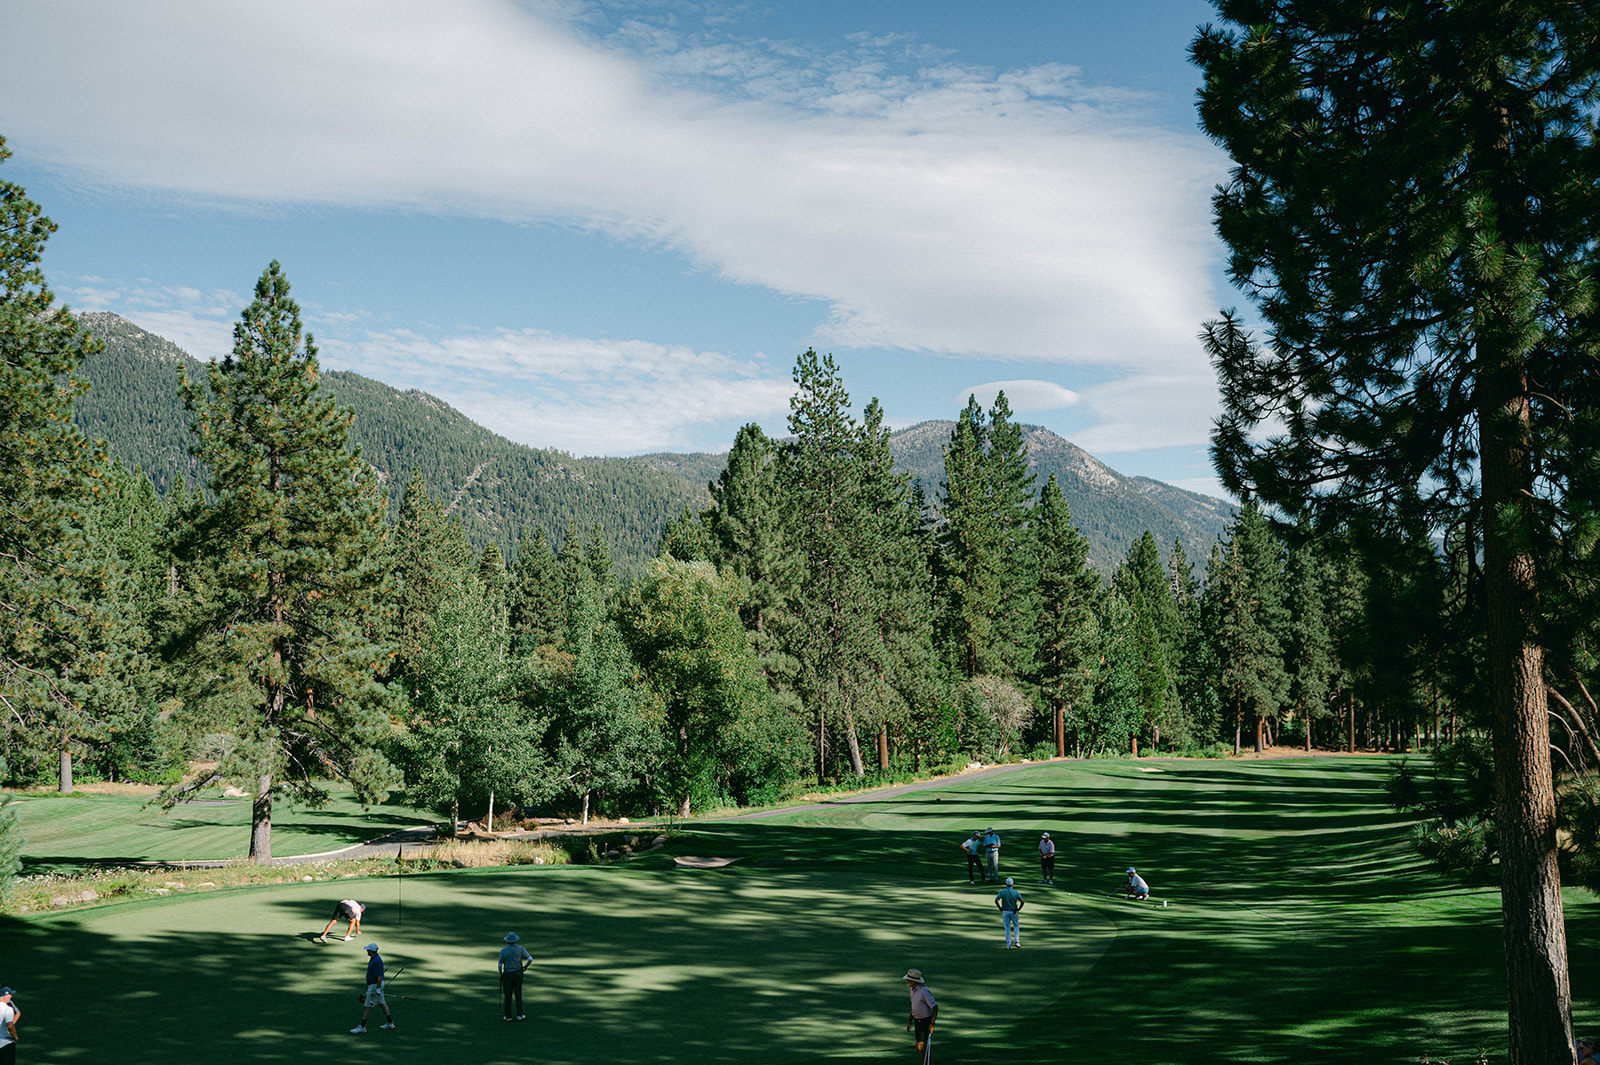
{"points": [[495, 486], [498, 487], [1112, 510]]}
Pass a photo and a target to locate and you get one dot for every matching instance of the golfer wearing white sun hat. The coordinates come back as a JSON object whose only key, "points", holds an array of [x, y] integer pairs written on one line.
{"points": [[1047, 859], [924, 1011]]}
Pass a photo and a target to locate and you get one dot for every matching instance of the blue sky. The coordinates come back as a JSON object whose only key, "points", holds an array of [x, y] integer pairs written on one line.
{"points": [[610, 227]]}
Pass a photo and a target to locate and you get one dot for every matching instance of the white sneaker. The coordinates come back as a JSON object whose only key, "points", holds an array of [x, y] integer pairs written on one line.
{"points": [[359, 1029], [389, 1025], [347, 939], [322, 939]]}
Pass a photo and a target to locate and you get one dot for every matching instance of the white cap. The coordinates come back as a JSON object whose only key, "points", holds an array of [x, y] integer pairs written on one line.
{"points": [[1009, 881]]}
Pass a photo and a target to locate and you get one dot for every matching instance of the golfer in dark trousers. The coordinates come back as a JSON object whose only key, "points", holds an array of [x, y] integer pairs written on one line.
{"points": [[514, 961]]}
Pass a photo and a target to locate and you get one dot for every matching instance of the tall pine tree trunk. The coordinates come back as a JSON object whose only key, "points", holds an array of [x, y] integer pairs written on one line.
{"points": [[261, 819], [1540, 998], [883, 745]]}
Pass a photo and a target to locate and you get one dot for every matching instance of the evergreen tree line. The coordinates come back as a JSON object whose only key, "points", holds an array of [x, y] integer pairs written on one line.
{"points": [[821, 620]]}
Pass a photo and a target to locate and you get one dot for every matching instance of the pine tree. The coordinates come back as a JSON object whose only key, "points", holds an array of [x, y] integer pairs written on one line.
{"points": [[538, 612], [1147, 590], [428, 559], [494, 580], [293, 533], [1011, 495], [746, 525], [969, 542], [820, 475], [987, 565], [1250, 620], [895, 553], [1413, 214], [1108, 723], [1310, 650], [1066, 628], [59, 644]]}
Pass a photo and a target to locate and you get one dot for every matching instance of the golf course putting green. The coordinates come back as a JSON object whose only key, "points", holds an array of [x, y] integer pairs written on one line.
{"points": [[650, 966], [1300, 927]]}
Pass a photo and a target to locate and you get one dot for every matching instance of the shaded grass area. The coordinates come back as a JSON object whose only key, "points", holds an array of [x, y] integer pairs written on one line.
{"points": [[1299, 927], [65, 833]]}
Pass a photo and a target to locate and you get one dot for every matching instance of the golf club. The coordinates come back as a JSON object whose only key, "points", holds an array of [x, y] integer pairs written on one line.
{"points": [[927, 1048]]}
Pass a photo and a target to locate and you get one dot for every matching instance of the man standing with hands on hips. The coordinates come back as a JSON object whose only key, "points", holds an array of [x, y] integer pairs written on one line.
{"points": [[514, 961], [924, 1010], [1009, 903]]}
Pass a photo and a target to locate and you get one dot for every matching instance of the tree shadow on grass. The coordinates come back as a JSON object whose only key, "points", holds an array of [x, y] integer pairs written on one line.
{"points": [[1292, 936]]}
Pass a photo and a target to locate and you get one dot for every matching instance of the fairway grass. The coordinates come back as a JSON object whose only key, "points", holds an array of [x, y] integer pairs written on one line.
{"points": [[1299, 928], [65, 833]]}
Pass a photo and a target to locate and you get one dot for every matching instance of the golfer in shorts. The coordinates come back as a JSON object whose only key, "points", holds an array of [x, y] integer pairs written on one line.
{"points": [[514, 961], [1136, 887], [345, 910], [1009, 903], [374, 995], [924, 1011]]}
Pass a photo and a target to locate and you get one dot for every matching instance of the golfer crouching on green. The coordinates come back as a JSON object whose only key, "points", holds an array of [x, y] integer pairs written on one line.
{"points": [[924, 1011]]}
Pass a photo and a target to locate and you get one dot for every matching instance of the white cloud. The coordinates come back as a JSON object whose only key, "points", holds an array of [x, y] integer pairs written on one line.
{"points": [[1024, 397], [588, 396], [201, 323], [936, 209], [1150, 410]]}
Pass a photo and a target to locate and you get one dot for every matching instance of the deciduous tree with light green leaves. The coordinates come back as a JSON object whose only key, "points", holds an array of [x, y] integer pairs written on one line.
{"points": [[682, 624], [279, 654]]}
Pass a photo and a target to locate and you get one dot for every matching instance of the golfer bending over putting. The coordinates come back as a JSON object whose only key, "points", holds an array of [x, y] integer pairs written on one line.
{"points": [[345, 910], [1009, 903], [374, 995], [924, 1011], [1136, 887], [514, 961]]}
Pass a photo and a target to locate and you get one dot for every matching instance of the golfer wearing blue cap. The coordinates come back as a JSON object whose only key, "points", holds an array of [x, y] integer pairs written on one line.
{"points": [[374, 993], [514, 961]]}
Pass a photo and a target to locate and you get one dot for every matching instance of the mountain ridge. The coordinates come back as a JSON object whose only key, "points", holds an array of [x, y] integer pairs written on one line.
{"points": [[498, 487]]}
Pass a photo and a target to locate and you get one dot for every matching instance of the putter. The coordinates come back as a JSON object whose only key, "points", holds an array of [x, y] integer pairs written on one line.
{"points": [[927, 1049]]}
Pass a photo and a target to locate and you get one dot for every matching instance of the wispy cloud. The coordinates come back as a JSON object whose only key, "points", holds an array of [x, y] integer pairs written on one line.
{"points": [[936, 208], [578, 394], [1024, 397]]}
